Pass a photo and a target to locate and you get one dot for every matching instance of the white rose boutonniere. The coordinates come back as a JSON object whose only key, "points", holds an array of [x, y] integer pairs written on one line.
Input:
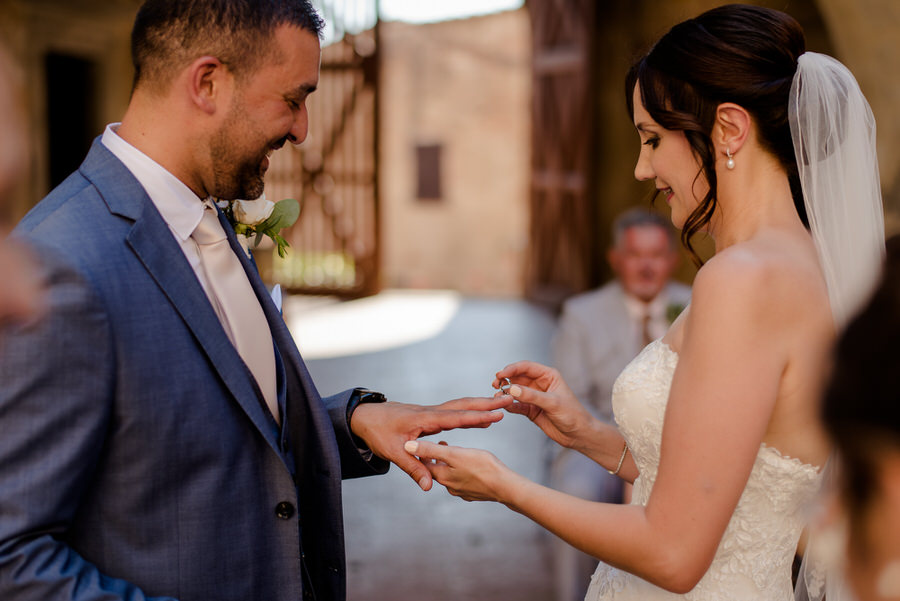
{"points": [[253, 219], [252, 212]]}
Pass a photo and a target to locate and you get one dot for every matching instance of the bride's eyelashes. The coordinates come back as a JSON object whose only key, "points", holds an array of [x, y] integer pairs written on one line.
{"points": [[652, 142]]}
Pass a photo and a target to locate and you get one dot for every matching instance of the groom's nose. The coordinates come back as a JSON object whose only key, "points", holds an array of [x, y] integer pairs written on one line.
{"points": [[300, 127]]}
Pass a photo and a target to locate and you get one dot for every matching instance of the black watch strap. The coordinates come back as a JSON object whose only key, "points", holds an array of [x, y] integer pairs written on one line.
{"points": [[360, 396]]}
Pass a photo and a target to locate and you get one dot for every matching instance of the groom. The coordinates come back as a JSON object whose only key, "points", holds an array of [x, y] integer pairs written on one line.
{"points": [[158, 440]]}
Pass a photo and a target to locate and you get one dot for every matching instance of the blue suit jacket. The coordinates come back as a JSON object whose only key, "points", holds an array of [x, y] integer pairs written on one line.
{"points": [[137, 459]]}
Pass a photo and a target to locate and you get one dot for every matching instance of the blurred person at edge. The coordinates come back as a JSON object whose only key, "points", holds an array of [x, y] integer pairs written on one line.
{"points": [[599, 332], [19, 294], [862, 414]]}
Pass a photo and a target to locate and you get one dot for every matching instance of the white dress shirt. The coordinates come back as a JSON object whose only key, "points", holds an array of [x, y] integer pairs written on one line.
{"points": [[180, 208], [637, 309]]}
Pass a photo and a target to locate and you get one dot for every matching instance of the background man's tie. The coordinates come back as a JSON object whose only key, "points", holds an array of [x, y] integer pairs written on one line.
{"points": [[236, 305], [646, 338]]}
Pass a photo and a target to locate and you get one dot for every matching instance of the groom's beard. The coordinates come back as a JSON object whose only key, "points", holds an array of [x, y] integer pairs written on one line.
{"points": [[235, 175], [242, 180]]}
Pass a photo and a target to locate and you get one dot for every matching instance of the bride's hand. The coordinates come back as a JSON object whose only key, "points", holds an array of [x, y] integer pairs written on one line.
{"points": [[543, 397], [472, 474]]}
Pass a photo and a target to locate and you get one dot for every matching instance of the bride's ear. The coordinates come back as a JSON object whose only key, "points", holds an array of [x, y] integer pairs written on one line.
{"points": [[731, 128]]}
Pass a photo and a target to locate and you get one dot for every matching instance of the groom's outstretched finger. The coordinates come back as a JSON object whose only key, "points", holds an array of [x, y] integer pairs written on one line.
{"points": [[476, 404], [439, 420], [416, 469]]}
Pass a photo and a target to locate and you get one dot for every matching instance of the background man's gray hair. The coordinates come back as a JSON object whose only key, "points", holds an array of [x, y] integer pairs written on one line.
{"points": [[638, 217]]}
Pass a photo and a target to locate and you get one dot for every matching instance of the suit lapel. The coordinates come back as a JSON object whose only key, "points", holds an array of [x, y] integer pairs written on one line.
{"points": [[156, 248], [303, 404]]}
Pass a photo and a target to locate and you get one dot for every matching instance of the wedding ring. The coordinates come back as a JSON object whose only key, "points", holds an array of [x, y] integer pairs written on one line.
{"points": [[504, 388]]}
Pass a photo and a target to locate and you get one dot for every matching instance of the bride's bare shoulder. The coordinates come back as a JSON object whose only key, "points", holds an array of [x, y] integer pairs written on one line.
{"points": [[774, 276]]}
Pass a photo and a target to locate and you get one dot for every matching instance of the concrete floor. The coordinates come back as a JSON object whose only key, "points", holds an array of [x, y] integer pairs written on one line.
{"points": [[402, 543]]}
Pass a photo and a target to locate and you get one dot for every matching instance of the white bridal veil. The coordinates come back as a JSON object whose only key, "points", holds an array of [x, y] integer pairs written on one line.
{"points": [[834, 141]]}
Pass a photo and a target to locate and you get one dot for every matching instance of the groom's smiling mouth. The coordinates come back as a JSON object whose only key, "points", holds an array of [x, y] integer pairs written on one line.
{"points": [[264, 163]]}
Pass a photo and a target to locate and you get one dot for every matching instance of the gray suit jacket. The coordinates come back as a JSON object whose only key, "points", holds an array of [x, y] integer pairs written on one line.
{"points": [[138, 459], [595, 341]]}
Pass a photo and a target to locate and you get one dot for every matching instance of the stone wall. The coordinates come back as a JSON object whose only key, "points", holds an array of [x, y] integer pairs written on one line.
{"points": [[464, 85]]}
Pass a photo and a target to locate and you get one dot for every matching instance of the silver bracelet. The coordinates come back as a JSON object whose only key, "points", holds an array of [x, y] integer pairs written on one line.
{"points": [[621, 460]]}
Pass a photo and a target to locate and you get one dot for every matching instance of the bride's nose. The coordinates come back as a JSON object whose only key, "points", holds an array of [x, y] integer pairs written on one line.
{"points": [[642, 170]]}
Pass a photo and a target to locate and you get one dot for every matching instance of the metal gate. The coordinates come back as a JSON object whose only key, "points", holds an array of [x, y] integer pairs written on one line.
{"points": [[334, 173]]}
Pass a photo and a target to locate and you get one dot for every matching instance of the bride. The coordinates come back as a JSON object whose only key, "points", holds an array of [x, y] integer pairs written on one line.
{"points": [[718, 420]]}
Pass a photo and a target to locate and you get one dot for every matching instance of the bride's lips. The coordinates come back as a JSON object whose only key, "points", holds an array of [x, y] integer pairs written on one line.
{"points": [[667, 193]]}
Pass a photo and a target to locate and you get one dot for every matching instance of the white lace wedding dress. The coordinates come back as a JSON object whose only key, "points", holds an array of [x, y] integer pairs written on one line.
{"points": [[753, 561]]}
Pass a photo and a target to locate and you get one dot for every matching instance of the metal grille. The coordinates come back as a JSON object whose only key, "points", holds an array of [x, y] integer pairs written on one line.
{"points": [[334, 173]]}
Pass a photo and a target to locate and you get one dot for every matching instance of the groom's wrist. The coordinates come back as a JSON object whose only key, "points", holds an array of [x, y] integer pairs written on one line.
{"points": [[361, 396]]}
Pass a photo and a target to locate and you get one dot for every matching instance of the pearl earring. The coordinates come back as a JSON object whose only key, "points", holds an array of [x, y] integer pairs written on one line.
{"points": [[730, 162]]}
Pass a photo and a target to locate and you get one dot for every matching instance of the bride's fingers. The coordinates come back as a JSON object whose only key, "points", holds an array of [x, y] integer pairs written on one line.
{"points": [[524, 370], [530, 396], [440, 472], [442, 443], [526, 409], [424, 450]]}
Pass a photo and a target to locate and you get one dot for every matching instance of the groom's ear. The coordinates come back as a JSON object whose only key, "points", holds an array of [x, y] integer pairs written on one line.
{"points": [[207, 80]]}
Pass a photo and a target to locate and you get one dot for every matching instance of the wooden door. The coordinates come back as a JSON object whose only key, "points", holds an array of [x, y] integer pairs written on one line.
{"points": [[563, 216]]}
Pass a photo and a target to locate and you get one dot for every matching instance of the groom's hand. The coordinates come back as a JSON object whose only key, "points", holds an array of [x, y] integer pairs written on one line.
{"points": [[386, 427]]}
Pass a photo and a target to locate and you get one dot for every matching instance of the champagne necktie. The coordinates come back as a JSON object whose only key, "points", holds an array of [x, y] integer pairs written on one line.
{"points": [[646, 338], [236, 304]]}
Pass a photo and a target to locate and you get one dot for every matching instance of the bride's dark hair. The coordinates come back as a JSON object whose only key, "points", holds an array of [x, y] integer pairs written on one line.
{"points": [[734, 53]]}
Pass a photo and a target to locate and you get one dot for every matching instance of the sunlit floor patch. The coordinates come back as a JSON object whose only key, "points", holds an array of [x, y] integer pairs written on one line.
{"points": [[325, 328]]}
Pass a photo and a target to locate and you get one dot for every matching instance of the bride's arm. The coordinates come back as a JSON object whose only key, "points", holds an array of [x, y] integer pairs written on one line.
{"points": [[723, 393]]}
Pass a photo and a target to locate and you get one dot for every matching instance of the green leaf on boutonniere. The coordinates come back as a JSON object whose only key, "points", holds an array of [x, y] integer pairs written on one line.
{"points": [[285, 214]]}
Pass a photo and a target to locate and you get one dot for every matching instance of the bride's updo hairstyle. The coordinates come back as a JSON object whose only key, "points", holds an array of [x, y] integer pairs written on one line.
{"points": [[735, 53]]}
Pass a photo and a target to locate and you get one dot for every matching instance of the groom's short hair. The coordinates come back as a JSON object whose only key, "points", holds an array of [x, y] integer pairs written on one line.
{"points": [[169, 34]]}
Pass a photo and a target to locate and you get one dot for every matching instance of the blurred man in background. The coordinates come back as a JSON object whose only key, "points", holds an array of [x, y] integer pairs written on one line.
{"points": [[598, 334]]}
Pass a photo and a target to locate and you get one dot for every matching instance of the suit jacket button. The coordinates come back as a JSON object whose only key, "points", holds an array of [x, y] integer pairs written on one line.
{"points": [[284, 510]]}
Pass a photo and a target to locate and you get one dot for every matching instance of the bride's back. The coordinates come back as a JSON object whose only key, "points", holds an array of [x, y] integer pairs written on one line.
{"points": [[795, 300]]}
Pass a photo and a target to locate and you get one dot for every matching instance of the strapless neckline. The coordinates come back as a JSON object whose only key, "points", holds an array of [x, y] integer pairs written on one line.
{"points": [[754, 557], [764, 447]]}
